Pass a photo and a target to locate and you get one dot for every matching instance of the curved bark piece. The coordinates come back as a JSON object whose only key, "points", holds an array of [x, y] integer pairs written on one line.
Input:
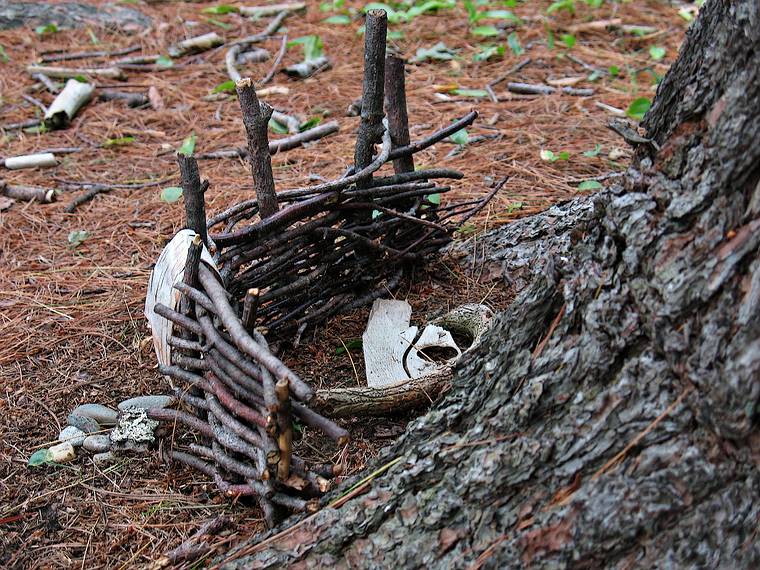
{"points": [[609, 418]]}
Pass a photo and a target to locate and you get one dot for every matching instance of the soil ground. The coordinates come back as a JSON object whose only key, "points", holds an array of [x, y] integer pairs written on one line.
{"points": [[72, 324]]}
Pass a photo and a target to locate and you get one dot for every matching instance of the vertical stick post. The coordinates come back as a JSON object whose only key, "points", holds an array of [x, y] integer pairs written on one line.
{"points": [[285, 429], [256, 117], [194, 193], [395, 108], [371, 126]]}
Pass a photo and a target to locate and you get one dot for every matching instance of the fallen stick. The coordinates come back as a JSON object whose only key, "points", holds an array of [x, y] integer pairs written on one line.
{"points": [[514, 69], [49, 84], [307, 68], [437, 136], [271, 10], [21, 125], [36, 102], [49, 58], [39, 160], [44, 195], [196, 44], [193, 548], [277, 61], [273, 26], [230, 62], [68, 102], [291, 123], [279, 145], [531, 89], [133, 100], [72, 72], [93, 189]]}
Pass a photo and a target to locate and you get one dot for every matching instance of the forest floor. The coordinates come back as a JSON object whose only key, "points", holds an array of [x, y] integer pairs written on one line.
{"points": [[71, 312]]}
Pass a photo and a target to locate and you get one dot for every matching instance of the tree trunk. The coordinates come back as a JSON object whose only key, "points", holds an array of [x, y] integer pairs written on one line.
{"points": [[609, 418]]}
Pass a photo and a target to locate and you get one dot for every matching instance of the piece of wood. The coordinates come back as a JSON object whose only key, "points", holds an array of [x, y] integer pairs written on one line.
{"points": [[193, 191], [196, 44], [256, 117], [271, 10], [44, 195], [67, 104], [371, 127], [72, 72], [386, 340], [395, 109], [417, 364], [40, 160]]}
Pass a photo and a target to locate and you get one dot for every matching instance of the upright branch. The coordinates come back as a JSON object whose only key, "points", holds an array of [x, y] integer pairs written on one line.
{"points": [[371, 127], [285, 429], [193, 191], [395, 108], [256, 117]]}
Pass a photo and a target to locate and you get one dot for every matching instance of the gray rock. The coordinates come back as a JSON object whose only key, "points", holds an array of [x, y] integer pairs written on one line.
{"points": [[70, 15], [73, 435], [87, 425], [104, 415], [147, 402], [97, 443], [103, 458]]}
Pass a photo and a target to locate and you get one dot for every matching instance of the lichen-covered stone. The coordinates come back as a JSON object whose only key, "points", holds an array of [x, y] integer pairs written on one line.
{"points": [[134, 431]]}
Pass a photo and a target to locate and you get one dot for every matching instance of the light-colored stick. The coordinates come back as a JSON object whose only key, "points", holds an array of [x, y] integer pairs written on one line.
{"points": [[71, 72], [68, 102], [196, 44], [42, 160], [271, 10]]}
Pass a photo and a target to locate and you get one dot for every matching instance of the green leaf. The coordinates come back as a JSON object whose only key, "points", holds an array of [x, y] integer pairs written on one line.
{"points": [[394, 16], [434, 199], [429, 6], [613, 70], [81, 79], [226, 87], [487, 52], [312, 46], [220, 10], [514, 44], [219, 23], [47, 29], [460, 137], [550, 40], [40, 457], [568, 40], [188, 145], [469, 92], [340, 19], [485, 31], [394, 35], [466, 229], [638, 108], [514, 206], [3, 55], [593, 153], [350, 344], [563, 155], [595, 75], [77, 237], [171, 194], [472, 11], [550, 156], [119, 141], [439, 52], [164, 61], [310, 124], [500, 15], [567, 5], [590, 185], [277, 127], [656, 52], [686, 14]]}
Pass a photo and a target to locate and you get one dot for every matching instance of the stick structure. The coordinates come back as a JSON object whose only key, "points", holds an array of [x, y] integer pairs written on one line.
{"points": [[193, 191], [287, 261]]}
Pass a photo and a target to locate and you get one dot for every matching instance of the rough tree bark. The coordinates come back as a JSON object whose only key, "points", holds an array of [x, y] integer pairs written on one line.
{"points": [[610, 417]]}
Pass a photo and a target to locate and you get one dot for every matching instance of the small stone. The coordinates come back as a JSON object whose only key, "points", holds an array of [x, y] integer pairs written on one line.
{"points": [[147, 402], [100, 458], [87, 425], [97, 443], [73, 435], [62, 452], [104, 415]]}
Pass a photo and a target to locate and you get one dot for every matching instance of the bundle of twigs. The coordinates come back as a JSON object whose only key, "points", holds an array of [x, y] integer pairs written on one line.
{"points": [[312, 252]]}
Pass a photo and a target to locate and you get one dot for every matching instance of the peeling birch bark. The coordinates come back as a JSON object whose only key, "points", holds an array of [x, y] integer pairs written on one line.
{"points": [[67, 104], [42, 160], [196, 44]]}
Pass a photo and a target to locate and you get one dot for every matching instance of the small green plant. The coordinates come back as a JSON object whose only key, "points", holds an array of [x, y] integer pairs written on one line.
{"points": [[46, 29], [188, 145], [4, 55], [171, 194], [469, 92], [226, 87], [339, 19], [568, 40], [613, 70], [487, 52], [120, 141], [587, 185], [638, 108], [657, 52], [221, 10], [350, 344], [312, 45], [277, 127], [461, 137], [438, 52], [550, 156], [593, 153], [514, 44]]}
